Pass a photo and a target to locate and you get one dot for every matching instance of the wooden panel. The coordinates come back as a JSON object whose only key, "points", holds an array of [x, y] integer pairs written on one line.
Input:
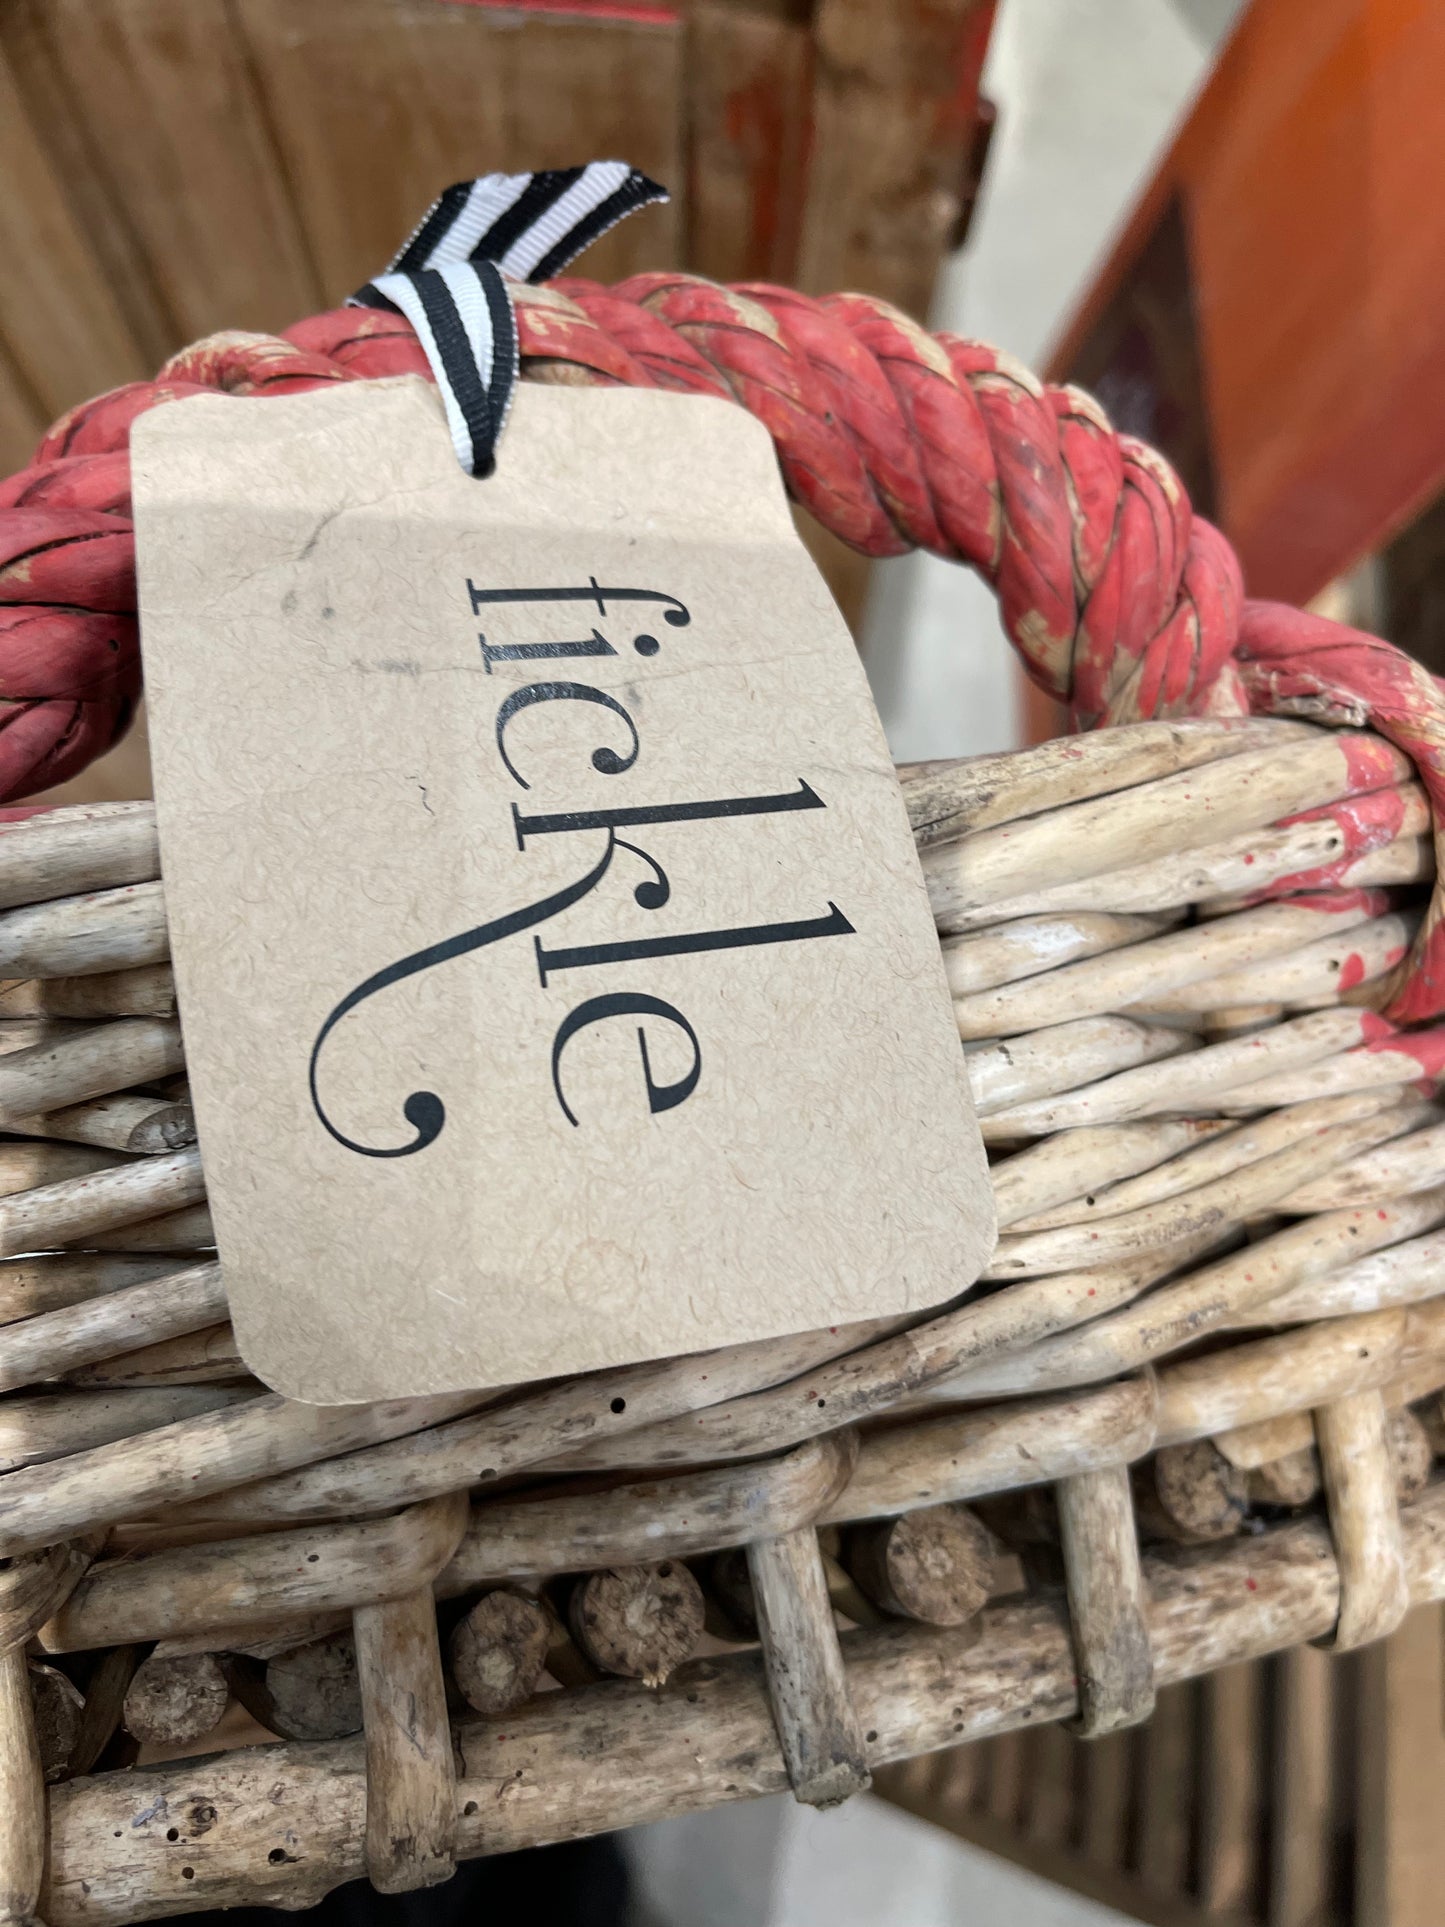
{"points": [[22, 419], [1051, 1761], [1231, 1813], [894, 103], [1412, 571], [59, 320], [1003, 1782], [380, 104], [1312, 174], [165, 95], [122, 775], [749, 85], [1104, 1800], [1302, 1746], [1165, 1793], [1400, 1858]]}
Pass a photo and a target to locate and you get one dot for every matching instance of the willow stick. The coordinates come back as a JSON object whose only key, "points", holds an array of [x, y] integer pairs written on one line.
{"points": [[1222, 875], [1290, 1479], [175, 1701], [1062, 1057], [1206, 1299], [497, 1652], [59, 1708], [822, 1742], [104, 1699], [410, 1773], [1227, 1147], [1180, 812], [1010, 952], [82, 847], [1234, 950], [531, 1430], [58, 1341], [795, 1407], [1411, 1163], [44, 1426], [311, 1692], [1369, 1068], [127, 1121], [1215, 1395], [1403, 1274], [1359, 1478], [196, 1457], [671, 1518], [224, 1589], [1112, 1238], [1196, 1493], [22, 1796], [1344, 960], [708, 1739], [206, 1356], [1071, 1168], [1201, 1079], [23, 1033], [189, 1229], [934, 1563], [100, 1201], [97, 1061], [950, 799], [23, 1167], [147, 990], [82, 936], [1410, 1452], [991, 1449], [1106, 1601], [1408, 860], [1267, 1442], [637, 1621], [845, 1595], [926, 1361], [30, 1286]]}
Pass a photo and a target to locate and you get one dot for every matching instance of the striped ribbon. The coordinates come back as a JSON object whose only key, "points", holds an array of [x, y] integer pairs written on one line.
{"points": [[450, 279]]}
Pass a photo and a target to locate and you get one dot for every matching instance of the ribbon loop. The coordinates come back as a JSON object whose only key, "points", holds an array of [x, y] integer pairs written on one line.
{"points": [[450, 279]]}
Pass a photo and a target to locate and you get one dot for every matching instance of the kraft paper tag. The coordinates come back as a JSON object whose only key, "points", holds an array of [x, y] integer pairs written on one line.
{"points": [[557, 975]]}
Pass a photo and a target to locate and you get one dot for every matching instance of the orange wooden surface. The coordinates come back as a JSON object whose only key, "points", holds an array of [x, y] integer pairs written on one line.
{"points": [[1312, 176]]}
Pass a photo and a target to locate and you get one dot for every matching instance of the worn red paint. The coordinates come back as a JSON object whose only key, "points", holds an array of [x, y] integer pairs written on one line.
{"points": [[1352, 971], [1371, 903], [1426, 1047]]}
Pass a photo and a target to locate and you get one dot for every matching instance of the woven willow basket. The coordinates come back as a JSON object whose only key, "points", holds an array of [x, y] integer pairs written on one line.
{"points": [[1193, 962]]}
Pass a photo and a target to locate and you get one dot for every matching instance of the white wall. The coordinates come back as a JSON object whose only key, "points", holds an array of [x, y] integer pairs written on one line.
{"points": [[1088, 93]]}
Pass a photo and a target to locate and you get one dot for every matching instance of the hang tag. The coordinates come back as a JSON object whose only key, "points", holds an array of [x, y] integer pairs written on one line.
{"points": [[557, 975]]}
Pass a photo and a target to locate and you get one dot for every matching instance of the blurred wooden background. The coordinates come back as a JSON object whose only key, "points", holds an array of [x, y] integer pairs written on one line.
{"points": [[173, 167], [1298, 1791]]}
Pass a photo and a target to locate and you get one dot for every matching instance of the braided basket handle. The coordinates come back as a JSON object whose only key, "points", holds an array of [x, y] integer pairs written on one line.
{"points": [[1121, 601]]}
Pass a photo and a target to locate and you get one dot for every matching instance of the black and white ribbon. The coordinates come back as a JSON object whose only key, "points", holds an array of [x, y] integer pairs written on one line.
{"points": [[450, 279]]}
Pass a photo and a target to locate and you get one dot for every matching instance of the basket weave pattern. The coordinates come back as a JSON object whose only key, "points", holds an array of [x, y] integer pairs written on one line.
{"points": [[1194, 957]]}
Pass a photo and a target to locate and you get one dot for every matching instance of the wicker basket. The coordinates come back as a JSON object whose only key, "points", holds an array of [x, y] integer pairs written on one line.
{"points": [[1192, 959]]}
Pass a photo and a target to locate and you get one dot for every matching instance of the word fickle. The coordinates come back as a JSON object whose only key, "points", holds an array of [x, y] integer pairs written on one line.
{"points": [[424, 1110]]}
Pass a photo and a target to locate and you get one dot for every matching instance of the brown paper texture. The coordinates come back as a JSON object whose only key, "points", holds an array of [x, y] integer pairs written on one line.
{"points": [[557, 975]]}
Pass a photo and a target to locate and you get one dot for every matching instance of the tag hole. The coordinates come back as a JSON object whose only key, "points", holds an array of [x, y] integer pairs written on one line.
{"points": [[619, 1405]]}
